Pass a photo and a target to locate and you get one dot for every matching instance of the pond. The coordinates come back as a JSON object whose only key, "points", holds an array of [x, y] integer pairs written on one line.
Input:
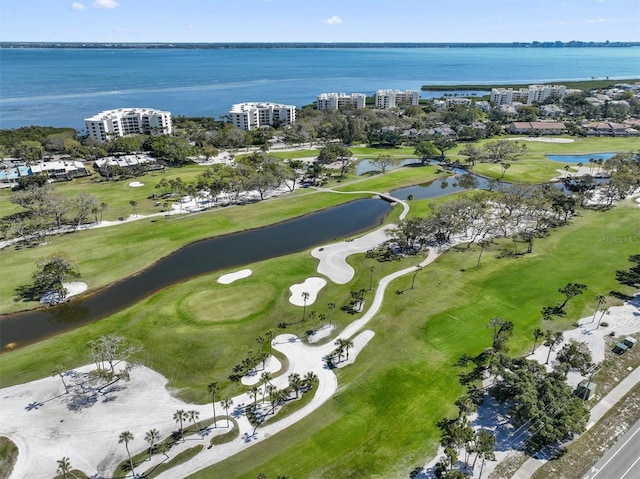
{"points": [[460, 181], [202, 257], [580, 158], [365, 166]]}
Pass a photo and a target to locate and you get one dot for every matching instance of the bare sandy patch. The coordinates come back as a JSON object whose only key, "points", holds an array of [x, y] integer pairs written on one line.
{"points": [[311, 285], [73, 289], [231, 277], [320, 334], [333, 257], [359, 342], [271, 365], [136, 184]]}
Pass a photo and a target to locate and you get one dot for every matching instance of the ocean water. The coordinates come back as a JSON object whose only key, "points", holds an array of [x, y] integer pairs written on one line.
{"points": [[61, 87]]}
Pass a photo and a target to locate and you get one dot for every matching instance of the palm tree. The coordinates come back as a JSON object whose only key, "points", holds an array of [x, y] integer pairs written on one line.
{"points": [[59, 371], [505, 167], [305, 297], [103, 207], [347, 343], [295, 381], [266, 378], [331, 307], [152, 437], [601, 299], [134, 205], [226, 403], [179, 416], [64, 467], [552, 340], [309, 379], [312, 315], [322, 318], [162, 448], [371, 270], [270, 334], [260, 341], [537, 334], [254, 393], [340, 348], [213, 389], [127, 437], [413, 279], [194, 416]]}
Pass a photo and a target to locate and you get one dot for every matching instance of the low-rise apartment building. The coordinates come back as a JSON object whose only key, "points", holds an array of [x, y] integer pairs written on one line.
{"points": [[250, 116], [128, 121], [386, 99], [338, 101]]}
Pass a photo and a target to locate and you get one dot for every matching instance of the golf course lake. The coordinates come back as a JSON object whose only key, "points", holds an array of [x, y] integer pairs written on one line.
{"points": [[584, 159], [202, 257]]}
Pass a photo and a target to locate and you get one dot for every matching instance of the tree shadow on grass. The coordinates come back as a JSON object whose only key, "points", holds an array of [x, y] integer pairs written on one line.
{"points": [[26, 293]]}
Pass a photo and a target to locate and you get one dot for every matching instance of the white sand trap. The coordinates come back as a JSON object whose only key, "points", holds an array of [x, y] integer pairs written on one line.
{"points": [[136, 184], [271, 365], [323, 332], [333, 257], [73, 288], [359, 342], [544, 140], [84, 425], [311, 285], [231, 277]]}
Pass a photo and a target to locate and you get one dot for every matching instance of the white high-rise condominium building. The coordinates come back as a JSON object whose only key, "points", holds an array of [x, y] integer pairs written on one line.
{"points": [[249, 116], [128, 121], [386, 99], [532, 94], [335, 101]]}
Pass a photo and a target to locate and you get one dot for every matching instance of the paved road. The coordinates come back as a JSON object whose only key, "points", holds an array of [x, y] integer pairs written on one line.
{"points": [[622, 461]]}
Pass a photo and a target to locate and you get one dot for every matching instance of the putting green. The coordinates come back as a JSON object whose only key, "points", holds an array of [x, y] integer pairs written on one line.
{"points": [[221, 305]]}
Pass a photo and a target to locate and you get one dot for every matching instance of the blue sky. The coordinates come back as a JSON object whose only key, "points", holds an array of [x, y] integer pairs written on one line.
{"points": [[319, 20]]}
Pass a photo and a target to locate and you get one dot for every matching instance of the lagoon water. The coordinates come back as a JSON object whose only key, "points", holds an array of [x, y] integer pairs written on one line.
{"points": [[580, 158], [61, 87]]}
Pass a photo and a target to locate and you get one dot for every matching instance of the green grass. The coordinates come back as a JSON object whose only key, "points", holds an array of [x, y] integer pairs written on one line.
{"points": [[180, 458], [8, 457], [227, 436], [290, 407], [382, 420], [533, 167], [405, 381]]}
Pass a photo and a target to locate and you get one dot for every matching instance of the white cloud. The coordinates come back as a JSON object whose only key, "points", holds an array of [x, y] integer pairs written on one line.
{"points": [[77, 6], [599, 20], [105, 4], [334, 20]]}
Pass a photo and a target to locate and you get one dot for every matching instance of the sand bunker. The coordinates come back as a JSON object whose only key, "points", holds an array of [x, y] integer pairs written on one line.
{"points": [[271, 365], [311, 286], [136, 184], [231, 277], [73, 288]]}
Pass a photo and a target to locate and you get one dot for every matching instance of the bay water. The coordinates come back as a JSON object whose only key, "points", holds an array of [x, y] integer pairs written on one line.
{"points": [[62, 86]]}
